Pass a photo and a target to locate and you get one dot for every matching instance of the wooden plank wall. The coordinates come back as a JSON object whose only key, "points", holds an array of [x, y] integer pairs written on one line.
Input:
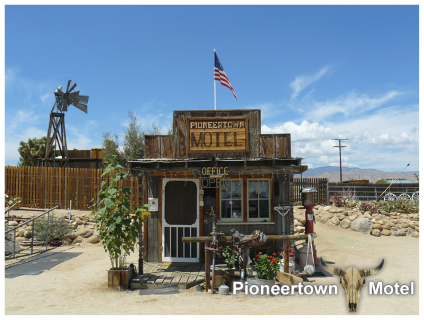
{"points": [[157, 147], [275, 146], [320, 184], [46, 187]]}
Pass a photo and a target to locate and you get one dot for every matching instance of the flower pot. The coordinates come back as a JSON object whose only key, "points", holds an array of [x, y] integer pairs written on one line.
{"points": [[120, 278], [223, 275], [259, 282]]}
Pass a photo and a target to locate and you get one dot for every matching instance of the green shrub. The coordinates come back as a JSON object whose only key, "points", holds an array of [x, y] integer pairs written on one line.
{"points": [[402, 206], [58, 228]]}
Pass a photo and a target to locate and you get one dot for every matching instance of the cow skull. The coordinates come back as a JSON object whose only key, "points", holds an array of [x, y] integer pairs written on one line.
{"points": [[352, 281]]}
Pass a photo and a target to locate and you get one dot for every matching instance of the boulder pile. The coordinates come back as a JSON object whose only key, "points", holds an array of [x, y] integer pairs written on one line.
{"points": [[376, 224], [84, 231]]}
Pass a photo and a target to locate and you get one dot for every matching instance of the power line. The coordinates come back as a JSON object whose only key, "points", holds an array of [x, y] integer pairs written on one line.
{"points": [[340, 155]]}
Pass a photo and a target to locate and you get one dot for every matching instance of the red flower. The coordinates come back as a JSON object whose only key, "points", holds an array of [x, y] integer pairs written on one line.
{"points": [[291, 250], [291, 254], [270, 257], [258, 255], [283, 249], [220, 248], [274, 254], [273, 260]]}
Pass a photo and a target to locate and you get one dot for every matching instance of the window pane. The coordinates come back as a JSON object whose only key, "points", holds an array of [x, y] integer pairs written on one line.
{"points": [[225, 190], [264, 189], [236, 189], [253, 208], [236, 209], [253, 189], [263, 209], [225, 209]]}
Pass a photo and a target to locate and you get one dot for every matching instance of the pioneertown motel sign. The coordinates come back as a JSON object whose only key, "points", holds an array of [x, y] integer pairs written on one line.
{"points": [[218, 134]]}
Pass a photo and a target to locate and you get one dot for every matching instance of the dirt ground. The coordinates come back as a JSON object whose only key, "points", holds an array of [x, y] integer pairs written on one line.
{"points": [[79, 286]]}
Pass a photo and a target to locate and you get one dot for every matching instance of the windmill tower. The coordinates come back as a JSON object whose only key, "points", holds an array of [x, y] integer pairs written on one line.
{"points": [[56, 134]]}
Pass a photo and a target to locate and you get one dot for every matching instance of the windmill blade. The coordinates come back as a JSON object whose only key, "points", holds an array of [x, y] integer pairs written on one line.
{"points": [[81, 106], [72, 96], [83, 99], [69, 83], [72, 88]]}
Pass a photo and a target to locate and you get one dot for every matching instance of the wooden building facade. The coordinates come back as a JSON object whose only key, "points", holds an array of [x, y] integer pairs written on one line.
{"points": [[220, 160]]}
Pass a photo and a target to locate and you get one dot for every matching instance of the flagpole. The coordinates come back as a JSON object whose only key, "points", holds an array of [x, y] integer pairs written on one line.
{"points": [[214, 82]]}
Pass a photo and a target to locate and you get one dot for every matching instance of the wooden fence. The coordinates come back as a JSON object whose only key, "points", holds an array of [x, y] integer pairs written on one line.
{"points": [[320, 184], [46, 187]]}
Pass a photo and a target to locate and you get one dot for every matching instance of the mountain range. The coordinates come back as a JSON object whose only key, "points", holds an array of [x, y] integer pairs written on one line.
{"points": [[333, 174]]}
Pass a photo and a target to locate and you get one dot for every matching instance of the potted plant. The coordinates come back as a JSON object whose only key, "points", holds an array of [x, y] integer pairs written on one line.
{"points": [[225, 273], [266, 267], [291, 261], [117, 224]]}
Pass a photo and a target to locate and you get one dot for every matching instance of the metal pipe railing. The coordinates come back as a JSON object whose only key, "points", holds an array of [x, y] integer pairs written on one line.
{"points": [[32, 236]]}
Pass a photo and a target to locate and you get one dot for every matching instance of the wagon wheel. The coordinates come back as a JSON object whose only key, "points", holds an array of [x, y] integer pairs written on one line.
{"points": [[390, 197], [404, 196], [415, 197]]}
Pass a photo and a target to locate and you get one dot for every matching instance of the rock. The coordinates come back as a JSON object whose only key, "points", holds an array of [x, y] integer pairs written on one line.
{"points": [[326, 208], [345, 213], [345, 223], [78, 221], [352, 217], [376, 233], [377, 217], [13, 223], [386, 227], [93, 239], [412, 225], [8, 248], [297, 223], [334, 221], [400, 233], [363, 225], [386, 232], [92, 220], [410, 231], [77, 240], [404, 225], [326, 217], [377, 226], [341, 217], [21, 232], [84, 232], [415, 234], [417, 228], [27, 234], [333, 210]]}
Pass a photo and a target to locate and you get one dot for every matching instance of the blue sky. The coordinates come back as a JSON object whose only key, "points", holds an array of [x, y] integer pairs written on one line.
{"points": [[317, 72]]}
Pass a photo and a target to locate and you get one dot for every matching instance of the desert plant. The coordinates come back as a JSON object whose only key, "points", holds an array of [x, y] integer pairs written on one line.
{"points": [[10, 201], [58, 227], [118, 225], [402, 206], [372, 207], [338, 200]]}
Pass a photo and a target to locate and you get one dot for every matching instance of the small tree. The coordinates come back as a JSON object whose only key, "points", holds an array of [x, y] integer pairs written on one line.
{"points": [[32, 150], [118, 226]]}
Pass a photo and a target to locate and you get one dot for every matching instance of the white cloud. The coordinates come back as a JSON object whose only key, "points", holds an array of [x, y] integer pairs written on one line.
{"points": [[302, 82], [351, 105]]}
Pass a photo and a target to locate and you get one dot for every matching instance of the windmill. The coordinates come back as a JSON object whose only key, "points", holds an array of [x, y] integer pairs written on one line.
{"points": [[57, 119]]}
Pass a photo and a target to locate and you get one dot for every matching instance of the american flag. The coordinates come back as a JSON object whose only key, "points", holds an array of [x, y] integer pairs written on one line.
{"points": [[219, 74]]}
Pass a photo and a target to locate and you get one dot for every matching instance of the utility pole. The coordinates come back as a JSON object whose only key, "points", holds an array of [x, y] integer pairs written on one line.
{"points": [[340, 156]]}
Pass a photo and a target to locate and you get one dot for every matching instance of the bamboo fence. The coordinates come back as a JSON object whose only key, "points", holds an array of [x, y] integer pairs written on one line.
{"points": [[46, 187]]}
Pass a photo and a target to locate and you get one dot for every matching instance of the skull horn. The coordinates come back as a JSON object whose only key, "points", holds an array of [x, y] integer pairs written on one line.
{"points": [[335, 271], [366, 273]]}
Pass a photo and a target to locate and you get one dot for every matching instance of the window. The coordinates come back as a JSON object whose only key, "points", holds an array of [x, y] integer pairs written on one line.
{"points": [[231, 200], [258, 200]]}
